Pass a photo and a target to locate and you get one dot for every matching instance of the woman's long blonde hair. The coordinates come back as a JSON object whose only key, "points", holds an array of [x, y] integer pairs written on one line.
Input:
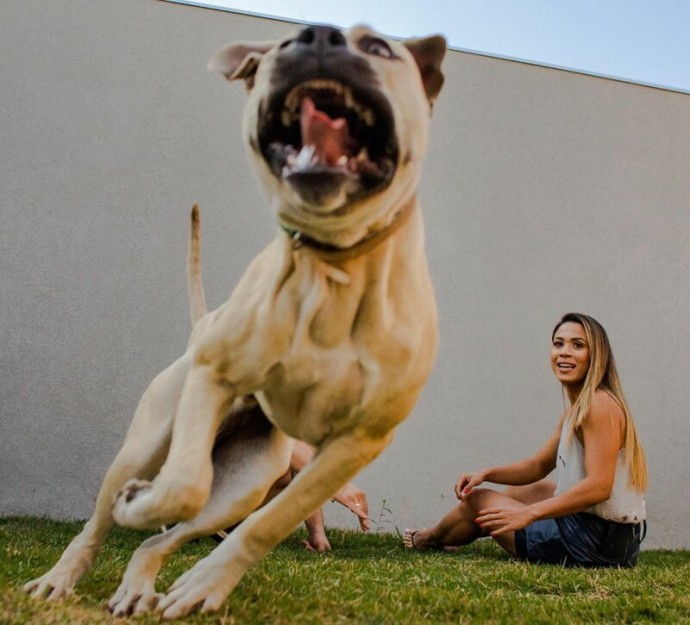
{"points": [[602, 375]]}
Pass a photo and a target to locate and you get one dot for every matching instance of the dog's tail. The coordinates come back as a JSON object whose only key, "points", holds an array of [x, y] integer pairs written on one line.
{"points": [[195, 287]]}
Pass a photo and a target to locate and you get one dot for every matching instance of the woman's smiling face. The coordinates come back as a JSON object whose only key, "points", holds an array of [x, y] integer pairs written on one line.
{"points": [[570, 354]]}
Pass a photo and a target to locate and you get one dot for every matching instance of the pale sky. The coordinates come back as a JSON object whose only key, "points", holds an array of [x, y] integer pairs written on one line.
{"points": [[646, 41]]}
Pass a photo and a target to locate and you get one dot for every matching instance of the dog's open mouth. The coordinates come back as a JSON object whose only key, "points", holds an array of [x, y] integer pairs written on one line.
{"points": [[323, 133]]}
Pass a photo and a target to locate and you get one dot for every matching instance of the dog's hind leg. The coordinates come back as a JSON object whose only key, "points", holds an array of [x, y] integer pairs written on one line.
{"points": [[246, 463], [141, 456]]}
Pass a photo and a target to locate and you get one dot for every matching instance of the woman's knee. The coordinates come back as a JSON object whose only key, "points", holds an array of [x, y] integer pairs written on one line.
{"points": [[477, 498]]}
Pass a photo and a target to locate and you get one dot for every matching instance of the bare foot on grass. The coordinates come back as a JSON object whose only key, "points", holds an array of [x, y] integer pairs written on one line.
{"points": [[421, 540], [416, 539]]}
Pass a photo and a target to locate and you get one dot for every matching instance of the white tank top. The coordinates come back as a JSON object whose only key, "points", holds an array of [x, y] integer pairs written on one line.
{"points": [[625, 505]]}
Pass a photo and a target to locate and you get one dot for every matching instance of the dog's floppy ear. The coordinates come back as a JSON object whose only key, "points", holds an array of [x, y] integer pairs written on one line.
{"points": [[239, 60], [428, 53]]}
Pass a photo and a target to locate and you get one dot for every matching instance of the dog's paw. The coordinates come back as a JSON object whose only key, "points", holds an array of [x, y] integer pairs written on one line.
{"points": [[127, 601], [51, 586], [132, 503], [148, 505], [201, 589], [131, 489]]}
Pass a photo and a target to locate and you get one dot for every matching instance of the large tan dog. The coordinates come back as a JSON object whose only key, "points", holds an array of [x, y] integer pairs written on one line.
{"points": [[332, 328]]}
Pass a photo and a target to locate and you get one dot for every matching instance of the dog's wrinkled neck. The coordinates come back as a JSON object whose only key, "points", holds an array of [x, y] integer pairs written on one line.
{"points": [[333, 253]]}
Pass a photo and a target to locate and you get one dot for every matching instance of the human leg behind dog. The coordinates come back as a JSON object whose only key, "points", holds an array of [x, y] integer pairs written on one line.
{"points": [[350, 496], [140, 457]]}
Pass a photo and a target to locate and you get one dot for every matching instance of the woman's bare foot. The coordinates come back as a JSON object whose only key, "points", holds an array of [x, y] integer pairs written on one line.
{"points": [[421, 540], [417, 539], [317, 542]]}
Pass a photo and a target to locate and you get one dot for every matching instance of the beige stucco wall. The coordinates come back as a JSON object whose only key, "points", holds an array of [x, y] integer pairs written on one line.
{"points": [[544, 191]]}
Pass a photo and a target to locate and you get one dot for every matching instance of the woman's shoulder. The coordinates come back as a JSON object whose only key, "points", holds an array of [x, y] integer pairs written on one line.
{"points": [[605, 404], [606, 397]]}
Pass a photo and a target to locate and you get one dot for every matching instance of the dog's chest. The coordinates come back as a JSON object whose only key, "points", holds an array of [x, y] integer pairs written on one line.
{"points": [[325, 339], [342, 355], [325, 350]]}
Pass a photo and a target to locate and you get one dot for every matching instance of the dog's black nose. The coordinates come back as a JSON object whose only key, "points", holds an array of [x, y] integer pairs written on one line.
{"points": [[321, 38]]}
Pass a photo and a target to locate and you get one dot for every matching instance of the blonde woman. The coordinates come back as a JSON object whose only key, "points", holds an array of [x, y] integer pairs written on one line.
{"points": [[593, 515]]}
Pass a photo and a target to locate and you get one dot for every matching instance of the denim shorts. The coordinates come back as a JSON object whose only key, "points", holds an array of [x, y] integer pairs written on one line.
{"points": [[581, 539]]}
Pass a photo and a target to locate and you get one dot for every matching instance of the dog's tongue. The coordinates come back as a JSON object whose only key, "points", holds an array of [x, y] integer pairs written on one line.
{"points": [[330, 137]]}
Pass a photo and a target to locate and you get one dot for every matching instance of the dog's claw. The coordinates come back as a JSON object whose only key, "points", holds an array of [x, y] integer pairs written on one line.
{"points": [[126, 512], [130, 490], [127, 603], [49, 587]]}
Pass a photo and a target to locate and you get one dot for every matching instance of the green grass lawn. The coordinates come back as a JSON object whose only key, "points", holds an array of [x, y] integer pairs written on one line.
{"points": [[365, 579]]}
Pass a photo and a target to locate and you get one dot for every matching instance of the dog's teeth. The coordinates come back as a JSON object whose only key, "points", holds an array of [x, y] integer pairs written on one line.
{"points": [[292, 100], [362, 157], [305, 157], [368, 117], [342, 161]]}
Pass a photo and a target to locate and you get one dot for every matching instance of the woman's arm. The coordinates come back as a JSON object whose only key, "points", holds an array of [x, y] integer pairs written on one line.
{"points": [[602, 436], [525, 471]]}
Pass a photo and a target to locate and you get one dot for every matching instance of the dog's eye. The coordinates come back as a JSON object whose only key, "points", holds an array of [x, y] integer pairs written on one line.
{"points": [[376, 47]]}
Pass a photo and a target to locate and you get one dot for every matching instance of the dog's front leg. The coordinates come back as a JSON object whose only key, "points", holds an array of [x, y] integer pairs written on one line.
{"points": [[183, 485], [209, 582], [141, 456], [246, 464]]}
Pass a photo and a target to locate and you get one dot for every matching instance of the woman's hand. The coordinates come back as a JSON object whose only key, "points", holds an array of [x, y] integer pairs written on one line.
{"points": [[356, 500], [501, 520], [466, 482]]}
